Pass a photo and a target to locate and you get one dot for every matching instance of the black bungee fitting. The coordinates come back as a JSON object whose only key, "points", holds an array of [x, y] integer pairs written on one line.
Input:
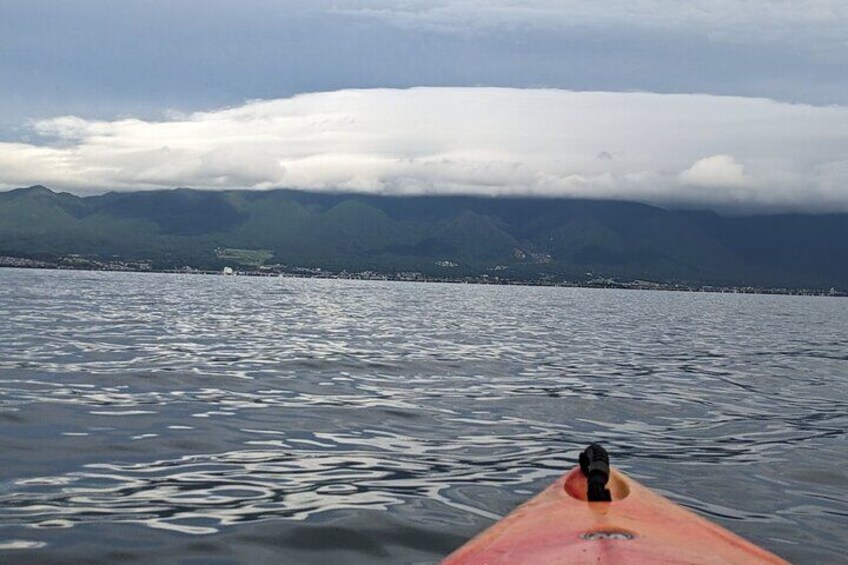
{"points": [[594, 462]]}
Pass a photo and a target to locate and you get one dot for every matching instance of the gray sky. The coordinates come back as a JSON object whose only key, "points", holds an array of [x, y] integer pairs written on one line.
{"points": [[176, 65]]}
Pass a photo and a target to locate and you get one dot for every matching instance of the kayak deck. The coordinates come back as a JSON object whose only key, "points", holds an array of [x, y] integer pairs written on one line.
{"points": [[639, 526]]}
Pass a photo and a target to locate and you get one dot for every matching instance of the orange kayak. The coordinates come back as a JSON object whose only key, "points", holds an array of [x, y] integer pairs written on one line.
{"points": [[560, 525]]}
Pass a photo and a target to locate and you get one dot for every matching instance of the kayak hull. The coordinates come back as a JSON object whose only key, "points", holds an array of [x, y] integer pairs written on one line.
{"points": [[639, 526]]}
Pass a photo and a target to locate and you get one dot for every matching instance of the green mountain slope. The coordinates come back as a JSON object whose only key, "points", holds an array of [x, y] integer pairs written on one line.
{"points": [[516, 237]]}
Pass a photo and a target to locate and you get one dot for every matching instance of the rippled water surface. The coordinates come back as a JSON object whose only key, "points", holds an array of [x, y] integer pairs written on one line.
{"points": [[203, 419]]}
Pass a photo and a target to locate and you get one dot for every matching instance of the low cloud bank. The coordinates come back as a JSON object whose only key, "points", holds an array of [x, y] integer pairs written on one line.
{"points": [[685, 150]]}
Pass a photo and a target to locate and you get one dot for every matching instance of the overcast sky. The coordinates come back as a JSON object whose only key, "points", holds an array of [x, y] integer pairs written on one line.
{"points": [[718, 103]]}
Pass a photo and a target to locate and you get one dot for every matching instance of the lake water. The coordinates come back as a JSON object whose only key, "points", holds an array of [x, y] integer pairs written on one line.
{"points": [[208, 419]]}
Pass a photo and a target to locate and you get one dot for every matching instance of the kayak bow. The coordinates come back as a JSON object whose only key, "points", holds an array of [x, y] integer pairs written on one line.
{"points": [[561, 525]]}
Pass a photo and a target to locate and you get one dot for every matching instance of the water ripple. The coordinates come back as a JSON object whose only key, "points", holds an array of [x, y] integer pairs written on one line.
{"points": [[388, 422]]}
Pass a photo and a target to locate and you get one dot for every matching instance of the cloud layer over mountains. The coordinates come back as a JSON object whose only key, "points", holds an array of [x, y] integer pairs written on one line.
{"points": [[690, 150]]}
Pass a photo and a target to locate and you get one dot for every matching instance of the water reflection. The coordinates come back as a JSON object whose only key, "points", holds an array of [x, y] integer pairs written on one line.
{"points": [[212, 405]]}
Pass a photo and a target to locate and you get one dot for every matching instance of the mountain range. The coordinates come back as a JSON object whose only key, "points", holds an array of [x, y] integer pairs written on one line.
{"points": [[517, 238]]}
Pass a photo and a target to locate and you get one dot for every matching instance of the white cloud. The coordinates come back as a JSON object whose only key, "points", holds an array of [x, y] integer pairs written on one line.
{"points": [[676, 149], [720, 171]]}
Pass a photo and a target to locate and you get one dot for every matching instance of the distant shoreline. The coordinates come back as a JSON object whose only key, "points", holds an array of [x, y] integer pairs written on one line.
{"points": [[529, 241], [606, 283]]}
